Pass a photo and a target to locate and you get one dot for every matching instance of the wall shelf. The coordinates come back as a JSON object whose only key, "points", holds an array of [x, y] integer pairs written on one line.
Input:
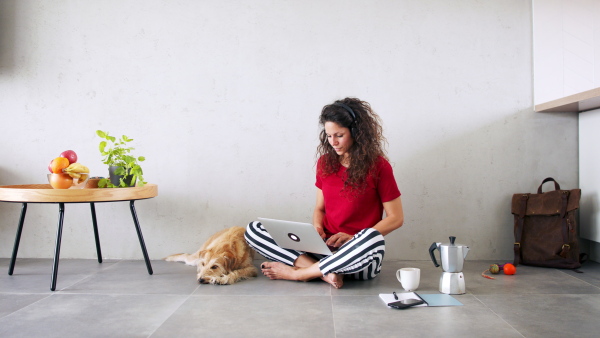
{"points": [[575, 103]]}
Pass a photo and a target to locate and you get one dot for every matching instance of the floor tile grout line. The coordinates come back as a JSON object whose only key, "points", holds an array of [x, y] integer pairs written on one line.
{"points": [[101, 294], [112, 294], [28, 305], [87, 276], [497, 315], [332, 310], [579, 279], [170, 315], [189, 296]]}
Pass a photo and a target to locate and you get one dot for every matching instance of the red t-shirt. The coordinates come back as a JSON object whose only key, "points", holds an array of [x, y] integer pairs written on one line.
{"points": [[350, 213]]}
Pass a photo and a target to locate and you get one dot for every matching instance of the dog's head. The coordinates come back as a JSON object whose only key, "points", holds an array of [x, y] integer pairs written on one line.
{"points": [[212, 266]]}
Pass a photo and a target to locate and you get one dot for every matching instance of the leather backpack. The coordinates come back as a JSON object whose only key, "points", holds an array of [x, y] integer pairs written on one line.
{"points": [[545, 227]]}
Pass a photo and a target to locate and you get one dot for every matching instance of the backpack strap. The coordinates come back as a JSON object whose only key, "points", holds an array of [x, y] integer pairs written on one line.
{"points": [[565, 226], [519, 220]]}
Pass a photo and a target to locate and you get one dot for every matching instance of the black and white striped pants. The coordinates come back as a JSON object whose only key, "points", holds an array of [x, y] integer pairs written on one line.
{"points": [[360, 257]]}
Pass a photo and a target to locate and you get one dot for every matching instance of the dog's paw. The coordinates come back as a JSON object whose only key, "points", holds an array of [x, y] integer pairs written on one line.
{"points": [[220, 280], [223, 280]]}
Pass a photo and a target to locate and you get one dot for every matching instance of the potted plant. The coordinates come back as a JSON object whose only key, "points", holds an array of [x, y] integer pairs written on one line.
{"points": [[124, 169]]}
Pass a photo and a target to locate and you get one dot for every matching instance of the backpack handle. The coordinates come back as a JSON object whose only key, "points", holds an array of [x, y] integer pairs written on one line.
{"points": [[556, 185]]}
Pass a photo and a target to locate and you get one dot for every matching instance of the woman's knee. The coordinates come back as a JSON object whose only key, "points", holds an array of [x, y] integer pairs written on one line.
{"points": [[371, 235], [371, 232], [253, 227], [252, 230]]}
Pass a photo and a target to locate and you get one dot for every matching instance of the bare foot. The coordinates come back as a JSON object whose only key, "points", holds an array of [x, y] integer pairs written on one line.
{"points": [[337, 281], [276, 270]]}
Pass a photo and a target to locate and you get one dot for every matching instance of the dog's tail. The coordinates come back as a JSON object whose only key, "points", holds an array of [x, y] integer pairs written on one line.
{"points": [[182, 257]]}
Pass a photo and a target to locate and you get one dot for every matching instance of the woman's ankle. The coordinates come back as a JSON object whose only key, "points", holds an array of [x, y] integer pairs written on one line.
{"points": [[304, 261]]}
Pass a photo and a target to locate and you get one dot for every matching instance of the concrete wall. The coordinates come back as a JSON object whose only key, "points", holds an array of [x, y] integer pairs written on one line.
{"points": [[223, 99]]}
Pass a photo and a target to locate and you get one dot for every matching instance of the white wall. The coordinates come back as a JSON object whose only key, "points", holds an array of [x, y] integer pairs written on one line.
{"points": [[223, 100], [566, 48], [589, 164]]}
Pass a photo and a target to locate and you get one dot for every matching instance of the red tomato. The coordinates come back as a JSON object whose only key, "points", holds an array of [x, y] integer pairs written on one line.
{"points": [[61, 181], [509, 269]]}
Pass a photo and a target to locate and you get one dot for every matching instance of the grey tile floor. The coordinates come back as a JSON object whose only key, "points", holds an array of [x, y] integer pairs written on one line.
{"points": [[119, 299]]}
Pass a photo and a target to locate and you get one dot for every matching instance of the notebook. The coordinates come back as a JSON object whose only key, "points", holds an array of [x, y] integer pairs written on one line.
{"points": [[438, 299], [295, 235]]}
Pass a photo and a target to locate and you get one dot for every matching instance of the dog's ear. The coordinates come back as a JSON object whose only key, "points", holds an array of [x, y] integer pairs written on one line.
{"points": [[230, 261], [202, 253]]}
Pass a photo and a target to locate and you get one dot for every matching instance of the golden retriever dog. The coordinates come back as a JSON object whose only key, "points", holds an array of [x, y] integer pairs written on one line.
{"points": [[225, 258]]}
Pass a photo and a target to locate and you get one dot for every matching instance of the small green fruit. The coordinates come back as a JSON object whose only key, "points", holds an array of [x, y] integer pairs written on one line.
{"points": [[494, 268]]}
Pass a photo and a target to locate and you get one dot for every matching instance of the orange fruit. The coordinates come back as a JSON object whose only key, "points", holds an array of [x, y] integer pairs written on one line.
{"points": [[61, 181], [58, 164], [509, 269]]}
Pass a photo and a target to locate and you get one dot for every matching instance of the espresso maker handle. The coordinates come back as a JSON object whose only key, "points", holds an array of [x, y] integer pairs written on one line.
{"points": [[431, 248]]}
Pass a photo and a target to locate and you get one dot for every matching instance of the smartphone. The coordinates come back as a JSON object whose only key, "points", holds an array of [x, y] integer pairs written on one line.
{"points": [[406, 303]]}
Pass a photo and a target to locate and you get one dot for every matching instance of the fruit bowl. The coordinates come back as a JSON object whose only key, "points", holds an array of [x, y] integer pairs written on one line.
{"points": [[65, 181]]}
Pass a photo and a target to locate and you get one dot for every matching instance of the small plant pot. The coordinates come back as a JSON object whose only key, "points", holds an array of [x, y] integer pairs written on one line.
{"points": [[116, 179]]}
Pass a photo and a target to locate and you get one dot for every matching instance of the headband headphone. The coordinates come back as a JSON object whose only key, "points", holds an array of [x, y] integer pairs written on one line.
{"points": [[353, 130]]}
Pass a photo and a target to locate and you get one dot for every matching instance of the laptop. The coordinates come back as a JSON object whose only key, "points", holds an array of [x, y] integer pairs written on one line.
{"points": [[295, 236]]}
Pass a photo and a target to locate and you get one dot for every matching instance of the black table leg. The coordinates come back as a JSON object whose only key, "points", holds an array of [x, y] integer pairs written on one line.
{"points": [[61, 216], [98, 251], [139, 232], [13, 258]]}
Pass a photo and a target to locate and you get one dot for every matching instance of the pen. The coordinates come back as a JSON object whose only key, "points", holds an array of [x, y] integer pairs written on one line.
{"points": [[395, 295]]}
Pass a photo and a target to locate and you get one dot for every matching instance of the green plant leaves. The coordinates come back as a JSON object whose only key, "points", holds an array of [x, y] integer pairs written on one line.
{"points": [[103, 182], [117, 153]]}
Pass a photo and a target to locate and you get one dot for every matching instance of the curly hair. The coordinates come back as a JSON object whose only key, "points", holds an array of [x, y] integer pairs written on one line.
{"points": [[368, 145]]}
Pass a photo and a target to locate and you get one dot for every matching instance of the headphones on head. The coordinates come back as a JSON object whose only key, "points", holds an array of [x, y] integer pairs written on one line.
{"points": [[353, 130]]}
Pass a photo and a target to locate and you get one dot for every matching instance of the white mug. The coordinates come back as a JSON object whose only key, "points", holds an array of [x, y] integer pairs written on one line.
{"points": [[409, 278]]}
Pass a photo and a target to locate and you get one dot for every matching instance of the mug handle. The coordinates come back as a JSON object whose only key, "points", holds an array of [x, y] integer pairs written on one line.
{"points": [[398, 276]]}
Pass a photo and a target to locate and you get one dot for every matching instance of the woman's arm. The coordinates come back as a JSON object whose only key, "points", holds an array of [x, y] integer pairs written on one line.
{"points": [[394, 217], [319, 213], [336, 240]]}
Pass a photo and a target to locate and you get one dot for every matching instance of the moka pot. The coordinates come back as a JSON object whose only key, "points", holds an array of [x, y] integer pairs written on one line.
{"points": [[452, 256]]}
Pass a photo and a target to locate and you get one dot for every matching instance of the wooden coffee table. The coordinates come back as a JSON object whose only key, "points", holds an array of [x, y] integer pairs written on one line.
{"points": [[44, 193]]}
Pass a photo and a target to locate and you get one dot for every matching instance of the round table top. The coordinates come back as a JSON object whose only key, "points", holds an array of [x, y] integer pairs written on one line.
{"points": [[44, 193]]}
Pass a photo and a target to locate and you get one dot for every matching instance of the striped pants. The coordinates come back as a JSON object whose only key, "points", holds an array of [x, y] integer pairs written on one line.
{"points": [[360, 257]]}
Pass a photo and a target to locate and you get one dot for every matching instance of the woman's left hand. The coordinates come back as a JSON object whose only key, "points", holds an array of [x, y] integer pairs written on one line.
{"points": [[338, 239]]}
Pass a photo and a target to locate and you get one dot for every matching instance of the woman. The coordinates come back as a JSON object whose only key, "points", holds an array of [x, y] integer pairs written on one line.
{"points": [[355, 184]]}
